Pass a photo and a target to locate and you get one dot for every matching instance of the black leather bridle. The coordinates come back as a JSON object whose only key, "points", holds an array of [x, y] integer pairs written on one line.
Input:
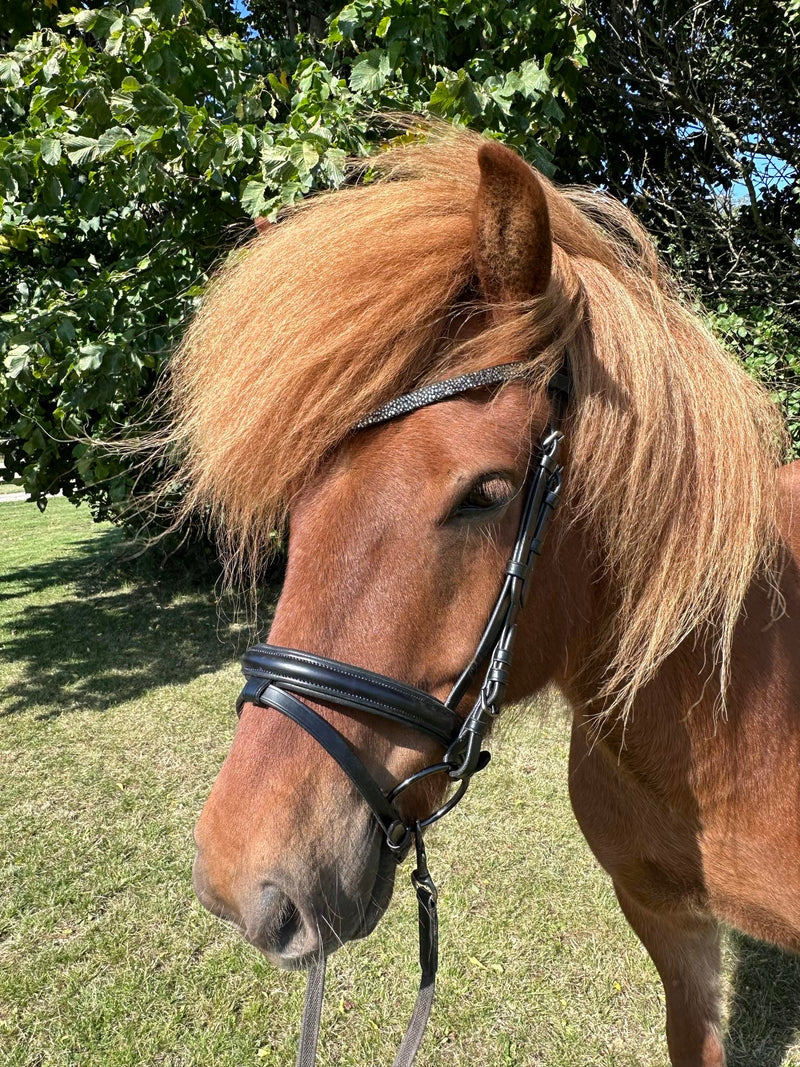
{"points": [[278, 677]]}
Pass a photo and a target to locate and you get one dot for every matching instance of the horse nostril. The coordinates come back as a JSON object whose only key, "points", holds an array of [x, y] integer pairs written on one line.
{"points": [[280, 929], [280, 919]]}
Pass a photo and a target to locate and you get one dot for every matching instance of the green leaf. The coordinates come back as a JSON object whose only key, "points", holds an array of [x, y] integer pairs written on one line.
{"points": [[370, 72], [234, 138], [95, 105], [9, 71], [17, 360], [533, 80], [91, 357], [117, 137], [65, 329], [347, 20], [281, 91], [275, 160], [153, 106], [80, 149], [304, 155], [106, 18], [147, 135], [51, 150], [52, 192], [455, 95], [552, 109], [253, 198], [166, 10], [333, 165], [84, 19]]}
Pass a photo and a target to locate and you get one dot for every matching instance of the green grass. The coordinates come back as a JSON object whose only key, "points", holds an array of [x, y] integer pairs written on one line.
{"points": [[118, 687]]}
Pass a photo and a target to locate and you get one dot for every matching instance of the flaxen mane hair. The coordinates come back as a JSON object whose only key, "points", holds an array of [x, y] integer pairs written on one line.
{"points": [[345, 303]]}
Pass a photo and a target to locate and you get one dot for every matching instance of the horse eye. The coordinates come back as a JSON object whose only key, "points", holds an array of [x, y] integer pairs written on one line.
{"points": [[485, 495]]}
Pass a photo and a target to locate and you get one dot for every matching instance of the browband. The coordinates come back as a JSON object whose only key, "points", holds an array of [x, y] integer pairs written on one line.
{"points": [[436, 392]]}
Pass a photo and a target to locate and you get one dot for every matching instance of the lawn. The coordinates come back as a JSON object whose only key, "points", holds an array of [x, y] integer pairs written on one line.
{"points": [[117, 709]]}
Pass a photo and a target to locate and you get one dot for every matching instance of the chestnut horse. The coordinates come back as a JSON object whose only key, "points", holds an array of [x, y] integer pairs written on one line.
{"points": [[666, 604]]}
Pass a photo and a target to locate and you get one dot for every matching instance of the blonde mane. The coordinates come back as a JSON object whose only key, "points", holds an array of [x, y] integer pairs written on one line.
{"points": [[345, 303]]}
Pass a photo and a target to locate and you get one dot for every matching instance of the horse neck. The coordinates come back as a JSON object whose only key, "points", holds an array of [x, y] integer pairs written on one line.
{"points": [[572, 603], [681, 708]]}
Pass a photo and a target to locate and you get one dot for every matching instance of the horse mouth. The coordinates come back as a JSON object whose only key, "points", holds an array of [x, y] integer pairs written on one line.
{"points": [[368, 918], [381, 894]]}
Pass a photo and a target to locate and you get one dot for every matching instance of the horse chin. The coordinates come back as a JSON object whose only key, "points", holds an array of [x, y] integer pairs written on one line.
{"points": [[380, 896]]}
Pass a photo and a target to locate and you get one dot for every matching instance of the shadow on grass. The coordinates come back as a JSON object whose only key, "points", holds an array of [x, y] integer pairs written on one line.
{"points": [[95, 627], [765, 1004]]}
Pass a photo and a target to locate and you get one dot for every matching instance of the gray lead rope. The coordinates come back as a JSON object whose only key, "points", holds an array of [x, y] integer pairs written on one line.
{"points": [[428, 961], [312, 1013]]}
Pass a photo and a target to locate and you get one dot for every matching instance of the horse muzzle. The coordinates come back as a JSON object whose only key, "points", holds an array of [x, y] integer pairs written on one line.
{"points": [[295, 919]]}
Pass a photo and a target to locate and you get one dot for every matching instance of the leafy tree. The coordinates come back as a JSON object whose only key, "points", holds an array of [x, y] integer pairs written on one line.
{"points": [[137, 143], [133, 135], [690, 116]]}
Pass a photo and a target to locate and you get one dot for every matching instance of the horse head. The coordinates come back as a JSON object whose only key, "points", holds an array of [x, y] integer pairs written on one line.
{"points": [[396, 554]]}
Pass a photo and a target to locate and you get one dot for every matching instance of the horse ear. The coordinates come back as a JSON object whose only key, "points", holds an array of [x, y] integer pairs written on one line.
{"points": [[512, 243]]}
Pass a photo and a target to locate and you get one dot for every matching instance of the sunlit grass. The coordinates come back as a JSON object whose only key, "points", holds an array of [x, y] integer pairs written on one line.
{"points": [[118, 687]]}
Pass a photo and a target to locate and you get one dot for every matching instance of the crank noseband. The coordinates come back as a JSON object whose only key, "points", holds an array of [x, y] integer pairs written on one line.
{"points": [[278, 678]]}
